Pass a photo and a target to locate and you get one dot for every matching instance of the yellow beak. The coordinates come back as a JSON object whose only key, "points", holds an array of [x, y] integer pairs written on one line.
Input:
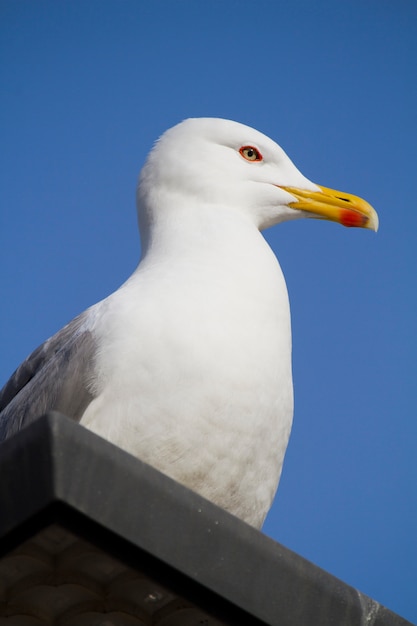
{"points": [[336, 206]]}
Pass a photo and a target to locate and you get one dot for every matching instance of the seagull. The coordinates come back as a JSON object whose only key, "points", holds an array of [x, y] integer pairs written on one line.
{"points": [[187, 365]]}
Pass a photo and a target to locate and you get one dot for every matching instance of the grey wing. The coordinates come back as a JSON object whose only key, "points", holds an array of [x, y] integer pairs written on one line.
{"points": [[56, 376]]}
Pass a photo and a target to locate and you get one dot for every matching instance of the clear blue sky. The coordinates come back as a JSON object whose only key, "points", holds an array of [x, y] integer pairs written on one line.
{"points": [[87, 86]]}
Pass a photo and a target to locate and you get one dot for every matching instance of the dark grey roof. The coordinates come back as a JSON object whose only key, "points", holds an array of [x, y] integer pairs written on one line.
{"points": [[91, 536]]}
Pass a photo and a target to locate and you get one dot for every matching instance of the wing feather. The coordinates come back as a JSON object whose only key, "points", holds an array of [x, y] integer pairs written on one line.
{"points": [[56, 376]]}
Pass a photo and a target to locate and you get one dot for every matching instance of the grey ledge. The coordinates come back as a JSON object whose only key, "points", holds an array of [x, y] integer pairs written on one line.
{"points": [[90, 535]]}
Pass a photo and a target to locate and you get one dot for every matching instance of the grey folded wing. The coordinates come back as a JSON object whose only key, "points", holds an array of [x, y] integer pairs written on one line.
{"points": [[56, 376]]}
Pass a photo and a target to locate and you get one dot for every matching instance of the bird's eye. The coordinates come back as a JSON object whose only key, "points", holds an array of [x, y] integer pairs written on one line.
{"points": [[250, 153]]}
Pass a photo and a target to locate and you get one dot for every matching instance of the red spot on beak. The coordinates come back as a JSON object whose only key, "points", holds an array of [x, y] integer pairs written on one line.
{"points": [[352, 218]]}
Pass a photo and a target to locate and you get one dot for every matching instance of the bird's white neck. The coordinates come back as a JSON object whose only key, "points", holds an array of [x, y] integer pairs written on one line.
{"points": [[206, 234]]}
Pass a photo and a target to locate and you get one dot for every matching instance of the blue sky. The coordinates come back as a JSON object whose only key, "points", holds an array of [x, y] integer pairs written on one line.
{"points": [[86, 89]]}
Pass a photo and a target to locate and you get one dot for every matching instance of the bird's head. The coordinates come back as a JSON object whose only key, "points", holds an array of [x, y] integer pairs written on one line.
{"points": [[222, 163]]}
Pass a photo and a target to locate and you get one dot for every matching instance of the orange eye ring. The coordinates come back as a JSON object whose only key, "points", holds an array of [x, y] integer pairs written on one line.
{"points": [[250, 153]]}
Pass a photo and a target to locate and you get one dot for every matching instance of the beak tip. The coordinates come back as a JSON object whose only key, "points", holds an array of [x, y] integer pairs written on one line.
{"points": [[374, 221]]}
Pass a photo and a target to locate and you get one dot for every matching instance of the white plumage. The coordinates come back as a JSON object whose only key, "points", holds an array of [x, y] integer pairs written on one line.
{"points": [[188, 365]]}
